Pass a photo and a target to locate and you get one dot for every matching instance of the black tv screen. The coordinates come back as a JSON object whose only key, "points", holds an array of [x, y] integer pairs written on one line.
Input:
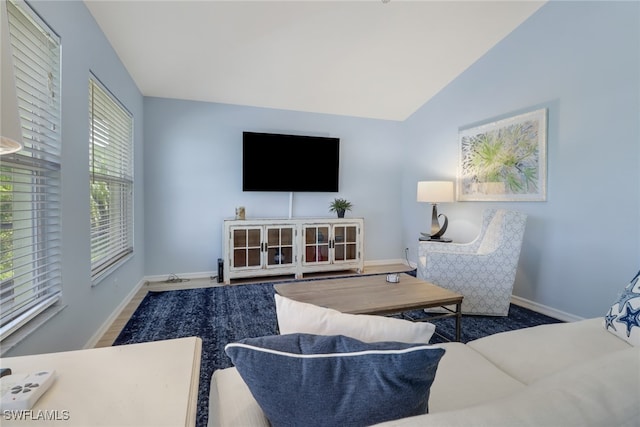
{"points": [[277, 162]]}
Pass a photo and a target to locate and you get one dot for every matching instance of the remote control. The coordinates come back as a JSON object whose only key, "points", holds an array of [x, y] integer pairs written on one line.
{"points": [[22, 391]]}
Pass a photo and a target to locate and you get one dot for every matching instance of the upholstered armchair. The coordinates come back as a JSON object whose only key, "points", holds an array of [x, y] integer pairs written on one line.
{"points": [[483, 270]]}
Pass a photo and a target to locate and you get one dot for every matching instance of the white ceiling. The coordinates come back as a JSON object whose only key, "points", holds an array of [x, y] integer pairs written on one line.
{"points": [[360, 58]]}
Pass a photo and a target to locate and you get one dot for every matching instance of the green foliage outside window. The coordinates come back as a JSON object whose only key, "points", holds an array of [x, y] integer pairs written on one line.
{"points": [[6, 226]]}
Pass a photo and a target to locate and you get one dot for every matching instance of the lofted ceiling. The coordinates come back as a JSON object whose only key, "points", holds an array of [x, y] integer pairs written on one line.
{"points": [[360, 58]]}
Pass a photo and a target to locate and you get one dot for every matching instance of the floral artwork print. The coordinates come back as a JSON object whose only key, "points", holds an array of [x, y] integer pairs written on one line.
{"points": [[504, 160]]}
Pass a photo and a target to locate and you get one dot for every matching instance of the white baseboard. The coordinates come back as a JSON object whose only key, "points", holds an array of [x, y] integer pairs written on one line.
{"points": [[211, 274], [548, 311], [386, 262], [114, 315]]}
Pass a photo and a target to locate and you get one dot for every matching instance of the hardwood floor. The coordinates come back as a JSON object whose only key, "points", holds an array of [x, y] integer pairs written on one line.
{"points": [[116, 327]]}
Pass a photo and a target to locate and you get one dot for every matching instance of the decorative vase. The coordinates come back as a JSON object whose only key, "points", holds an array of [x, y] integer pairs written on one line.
{"points": [[340, 213]]}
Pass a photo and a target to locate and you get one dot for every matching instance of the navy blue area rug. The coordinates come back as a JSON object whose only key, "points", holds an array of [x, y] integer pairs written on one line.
{"points": [[474, 327], [224, 314]]}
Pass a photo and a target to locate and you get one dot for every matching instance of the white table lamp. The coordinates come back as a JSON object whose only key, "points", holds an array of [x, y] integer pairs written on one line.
{"points": [[435, 192]]}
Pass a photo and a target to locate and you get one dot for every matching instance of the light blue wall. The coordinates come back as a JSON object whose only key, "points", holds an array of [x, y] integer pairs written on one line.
{"points": [[193, 171], [85, 49], [581, 60]]}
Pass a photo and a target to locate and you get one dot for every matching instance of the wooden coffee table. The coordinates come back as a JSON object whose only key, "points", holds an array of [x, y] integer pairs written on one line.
{"points": [[374, 295]]}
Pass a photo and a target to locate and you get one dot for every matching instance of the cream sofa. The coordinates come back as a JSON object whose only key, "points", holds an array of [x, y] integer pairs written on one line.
{"points": [[566, 374]]}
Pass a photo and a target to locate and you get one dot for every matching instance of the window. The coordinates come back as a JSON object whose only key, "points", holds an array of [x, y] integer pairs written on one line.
{"points": [[111, 186], [30, 277]]}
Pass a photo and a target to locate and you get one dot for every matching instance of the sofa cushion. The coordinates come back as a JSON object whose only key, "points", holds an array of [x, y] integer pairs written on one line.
{"points": [[601, 392], [623, 318], [471, 378], [532, 353], [302, 379], [299, 317]]}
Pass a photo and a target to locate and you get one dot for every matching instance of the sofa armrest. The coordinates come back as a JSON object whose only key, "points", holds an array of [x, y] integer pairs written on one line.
{"points": [[231, 404]]}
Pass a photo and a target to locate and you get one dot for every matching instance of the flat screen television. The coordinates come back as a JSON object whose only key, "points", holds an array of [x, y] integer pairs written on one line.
{"points": [[292, 163]]}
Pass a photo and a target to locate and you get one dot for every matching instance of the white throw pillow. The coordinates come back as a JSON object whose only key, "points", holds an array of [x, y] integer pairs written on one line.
{"points": [[623, 318], [299, 317]]}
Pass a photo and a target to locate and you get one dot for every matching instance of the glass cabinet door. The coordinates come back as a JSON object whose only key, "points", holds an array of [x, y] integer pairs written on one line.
{"points": [[316, 244], [345, 243], [280, 246], [246, 247]]}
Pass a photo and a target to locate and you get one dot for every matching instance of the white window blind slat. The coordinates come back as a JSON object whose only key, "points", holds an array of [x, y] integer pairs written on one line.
{"points": [[30, 277], [111, 180], [30, 294]]}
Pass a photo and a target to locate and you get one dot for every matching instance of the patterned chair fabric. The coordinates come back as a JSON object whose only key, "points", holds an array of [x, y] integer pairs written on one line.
{"points": [[483, 270]]}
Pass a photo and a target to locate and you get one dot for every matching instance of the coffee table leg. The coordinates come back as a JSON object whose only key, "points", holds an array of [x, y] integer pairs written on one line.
{"points": [[458, 321]]}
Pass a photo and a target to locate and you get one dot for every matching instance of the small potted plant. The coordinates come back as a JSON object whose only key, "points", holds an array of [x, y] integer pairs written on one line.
{"points": [[340, 206]]}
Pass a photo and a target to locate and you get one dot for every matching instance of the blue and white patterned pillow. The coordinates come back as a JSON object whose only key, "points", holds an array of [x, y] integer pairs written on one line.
{"points": [[316, 380], [623, 318]]}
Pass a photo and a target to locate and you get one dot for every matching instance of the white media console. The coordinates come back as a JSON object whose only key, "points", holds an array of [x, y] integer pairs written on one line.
{"points": [[269, 247]]}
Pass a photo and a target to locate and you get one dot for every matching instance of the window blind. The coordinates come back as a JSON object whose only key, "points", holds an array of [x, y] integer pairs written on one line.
{"points": [[111, 174], [30, 276]]}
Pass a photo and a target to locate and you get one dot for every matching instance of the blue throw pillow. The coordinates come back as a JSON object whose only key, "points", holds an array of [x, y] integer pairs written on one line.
{"points": [[313, 380], [623, 318]]}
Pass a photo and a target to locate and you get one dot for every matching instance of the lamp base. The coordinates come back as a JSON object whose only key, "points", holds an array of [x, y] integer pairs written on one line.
{"points": [[436, 230], [426, 238]]}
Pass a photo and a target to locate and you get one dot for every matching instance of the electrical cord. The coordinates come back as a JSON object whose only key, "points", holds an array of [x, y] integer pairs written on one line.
{"points": [[175, 279]]}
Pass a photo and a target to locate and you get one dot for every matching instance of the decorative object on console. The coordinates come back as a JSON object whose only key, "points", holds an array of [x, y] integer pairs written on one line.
{"points": [[435, 192], [340, 206], [623, 318], [335, 378], [484, 270], [240, 212], [504, 160], [10, 129]]}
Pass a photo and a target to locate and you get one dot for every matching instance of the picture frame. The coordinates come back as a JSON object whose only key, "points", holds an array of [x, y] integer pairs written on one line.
{"points": [[504, 160]]}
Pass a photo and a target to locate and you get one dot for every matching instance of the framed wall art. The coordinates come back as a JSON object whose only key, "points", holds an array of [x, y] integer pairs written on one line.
{"points": [[504, 160]]}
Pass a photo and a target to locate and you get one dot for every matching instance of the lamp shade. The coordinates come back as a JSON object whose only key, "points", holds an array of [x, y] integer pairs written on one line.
{"points": [[435, 191], [10, 129]]}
